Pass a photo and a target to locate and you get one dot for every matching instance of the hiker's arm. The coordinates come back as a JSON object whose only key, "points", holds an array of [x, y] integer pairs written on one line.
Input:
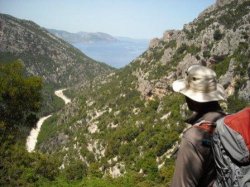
{"points": [[194, 165], [188, 166]]}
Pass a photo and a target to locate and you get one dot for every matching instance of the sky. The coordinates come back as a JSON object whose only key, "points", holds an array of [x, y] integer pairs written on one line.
{"points": [[145, 19]]}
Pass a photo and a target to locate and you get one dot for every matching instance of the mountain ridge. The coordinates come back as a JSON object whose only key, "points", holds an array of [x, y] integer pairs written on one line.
{"points": [[45, 55], [123, 129], [83, 37], [130, 123]]}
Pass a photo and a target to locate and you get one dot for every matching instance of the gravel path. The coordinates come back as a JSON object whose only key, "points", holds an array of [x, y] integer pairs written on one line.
{"points": [[32, 138]]}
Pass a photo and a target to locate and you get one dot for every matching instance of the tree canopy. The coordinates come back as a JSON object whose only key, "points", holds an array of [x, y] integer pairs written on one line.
{"points": [[20, 95]]}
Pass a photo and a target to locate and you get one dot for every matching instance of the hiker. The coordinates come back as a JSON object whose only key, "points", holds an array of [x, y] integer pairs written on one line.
{"points": [[194, 165]]}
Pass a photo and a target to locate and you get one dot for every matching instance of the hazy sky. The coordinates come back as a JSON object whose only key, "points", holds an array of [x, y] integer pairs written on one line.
{"points": [[131, 18]]}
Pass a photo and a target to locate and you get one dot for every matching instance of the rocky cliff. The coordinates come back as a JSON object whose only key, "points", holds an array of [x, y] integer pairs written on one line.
{"points": [[129, 123]]}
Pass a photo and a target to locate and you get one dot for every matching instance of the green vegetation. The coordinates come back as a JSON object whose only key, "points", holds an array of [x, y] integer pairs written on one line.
{"points": [[217, 35], [222, 67], [236, 104], [241, 58], [20, 100], [189, 34], [234, 13], [109, 125], [20, 97], [161, 69], [50, 102], [59, 64], [206, 54], [143, 129], [202, 24]]}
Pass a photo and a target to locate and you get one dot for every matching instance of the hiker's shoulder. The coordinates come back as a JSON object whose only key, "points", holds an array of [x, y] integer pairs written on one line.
{"points": [[213, 117], [194, 133]]}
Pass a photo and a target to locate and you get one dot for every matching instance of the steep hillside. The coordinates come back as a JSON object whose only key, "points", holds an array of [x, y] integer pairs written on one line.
{"points": [[129, 123], [45, 55]]}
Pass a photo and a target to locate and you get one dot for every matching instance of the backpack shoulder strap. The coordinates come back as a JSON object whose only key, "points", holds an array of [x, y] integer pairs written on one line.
{"points": [[206, 126]]}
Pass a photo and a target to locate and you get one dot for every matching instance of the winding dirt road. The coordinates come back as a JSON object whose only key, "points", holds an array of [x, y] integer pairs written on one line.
{"points": [[32, 138]]}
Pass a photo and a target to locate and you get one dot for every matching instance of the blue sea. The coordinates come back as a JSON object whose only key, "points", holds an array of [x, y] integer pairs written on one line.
{"points": [[116, 54]]}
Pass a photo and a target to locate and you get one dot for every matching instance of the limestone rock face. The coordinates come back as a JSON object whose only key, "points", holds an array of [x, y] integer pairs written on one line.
{"points": [[207, 40], [225, 80], [220, 3], [167, 56], [244, 91], [154, 42]]}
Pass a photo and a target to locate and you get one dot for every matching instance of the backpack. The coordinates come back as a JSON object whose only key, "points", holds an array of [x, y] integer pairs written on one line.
{"points": [[231, 150]]}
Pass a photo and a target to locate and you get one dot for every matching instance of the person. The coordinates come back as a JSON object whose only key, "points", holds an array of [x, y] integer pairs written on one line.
{"points": [[194, 165]]}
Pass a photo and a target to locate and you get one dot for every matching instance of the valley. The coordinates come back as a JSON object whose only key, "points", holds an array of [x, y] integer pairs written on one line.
{"points": [[114, 51], [120, 127]]}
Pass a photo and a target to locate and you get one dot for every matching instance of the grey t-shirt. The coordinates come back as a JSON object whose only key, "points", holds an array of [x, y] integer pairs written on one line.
{"points": [[194, 166]]}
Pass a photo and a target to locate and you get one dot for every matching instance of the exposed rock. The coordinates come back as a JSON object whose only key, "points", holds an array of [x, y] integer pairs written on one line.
{"points": [[165, 116], [145, 87], [116, 171], [221, 3], [169, 35], [226, 79], [167, 56], [244, 92], [52, 145], [93, 128], [154, 42], [187, 61]]}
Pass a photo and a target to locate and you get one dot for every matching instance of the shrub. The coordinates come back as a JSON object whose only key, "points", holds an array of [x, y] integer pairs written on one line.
{"points": [[235, 103], [217, 35], [76, 170]]}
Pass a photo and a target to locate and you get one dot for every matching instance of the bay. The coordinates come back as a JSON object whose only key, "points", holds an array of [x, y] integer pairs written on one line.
{"points": [[117, 53]]}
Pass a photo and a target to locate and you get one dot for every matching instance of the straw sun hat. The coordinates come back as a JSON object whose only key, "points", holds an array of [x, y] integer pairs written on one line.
{"points": [[200, 85]]}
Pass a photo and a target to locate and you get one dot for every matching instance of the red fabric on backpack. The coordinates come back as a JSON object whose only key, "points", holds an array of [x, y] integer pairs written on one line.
{"points": [[240, 122]]}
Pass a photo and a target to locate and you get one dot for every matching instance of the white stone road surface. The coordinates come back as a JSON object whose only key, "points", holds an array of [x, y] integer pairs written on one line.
{"points": [[32, 138]]}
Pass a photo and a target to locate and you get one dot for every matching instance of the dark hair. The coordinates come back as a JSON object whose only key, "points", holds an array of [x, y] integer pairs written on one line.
{"points": [[202, 107]]}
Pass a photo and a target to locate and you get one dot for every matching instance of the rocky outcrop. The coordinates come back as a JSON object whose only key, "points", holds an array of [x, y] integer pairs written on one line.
{"points": [[54, 143], [154, 42], [211, 37], [221, 3]]}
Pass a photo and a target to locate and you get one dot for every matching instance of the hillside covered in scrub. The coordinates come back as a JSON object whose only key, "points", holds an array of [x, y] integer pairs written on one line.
{"points": [[58, 63], [123, 126], [128, 125]]}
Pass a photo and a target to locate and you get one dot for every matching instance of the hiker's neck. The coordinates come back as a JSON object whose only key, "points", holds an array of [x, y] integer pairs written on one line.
{"points": [[201, 109]]}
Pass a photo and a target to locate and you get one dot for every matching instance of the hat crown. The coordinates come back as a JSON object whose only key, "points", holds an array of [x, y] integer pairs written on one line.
{"points": [[201, 79], [200, 84], [200, 72]]}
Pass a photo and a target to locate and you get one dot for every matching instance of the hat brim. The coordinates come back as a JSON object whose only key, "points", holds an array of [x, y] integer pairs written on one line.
{"points": [[181, 87]]}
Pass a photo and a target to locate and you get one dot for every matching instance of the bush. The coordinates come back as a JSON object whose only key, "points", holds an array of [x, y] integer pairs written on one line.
{"points": [[235, 104], [217, 35], [76, 170], [206, 54], [20, 96], [221, 67]]}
